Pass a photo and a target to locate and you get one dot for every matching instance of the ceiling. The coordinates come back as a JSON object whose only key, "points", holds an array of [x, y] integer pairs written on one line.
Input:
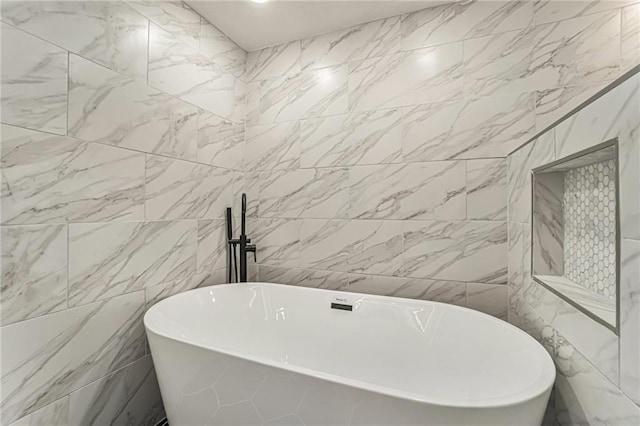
{"points": [[256, 25]]}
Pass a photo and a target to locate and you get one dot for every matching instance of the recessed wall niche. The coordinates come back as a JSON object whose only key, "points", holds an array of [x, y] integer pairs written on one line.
{"points": [[575, 229]]}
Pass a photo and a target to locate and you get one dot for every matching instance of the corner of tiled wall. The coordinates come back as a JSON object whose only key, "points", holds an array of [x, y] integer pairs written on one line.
{"points": [[122, 136], [597, 378], [396, 135], [379, 161]]}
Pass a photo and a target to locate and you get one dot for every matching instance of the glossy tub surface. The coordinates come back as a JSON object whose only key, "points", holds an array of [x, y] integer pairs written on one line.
{"points": [[262, 353]]}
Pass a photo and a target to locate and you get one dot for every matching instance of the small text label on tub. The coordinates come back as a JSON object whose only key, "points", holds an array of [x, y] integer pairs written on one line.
{"points": [[342, 303]]}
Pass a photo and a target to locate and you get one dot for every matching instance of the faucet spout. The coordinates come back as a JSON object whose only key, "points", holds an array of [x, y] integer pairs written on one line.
{"points": [[245, 247], [244, 213]]}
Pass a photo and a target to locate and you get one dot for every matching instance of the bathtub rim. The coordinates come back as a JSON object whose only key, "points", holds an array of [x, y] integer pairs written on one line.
{"points": [[537, 389]]}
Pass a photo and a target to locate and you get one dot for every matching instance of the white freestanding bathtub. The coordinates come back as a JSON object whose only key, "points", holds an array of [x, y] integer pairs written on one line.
{"points": [[280, 355]]}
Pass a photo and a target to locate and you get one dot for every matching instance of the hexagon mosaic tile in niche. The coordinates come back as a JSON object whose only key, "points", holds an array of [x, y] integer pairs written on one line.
{"points": [[590, 227]]}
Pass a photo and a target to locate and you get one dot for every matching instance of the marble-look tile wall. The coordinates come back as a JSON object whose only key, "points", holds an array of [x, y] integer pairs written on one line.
{"points": [[375, 160], [598, 378], [376, 156], [122, 141]]}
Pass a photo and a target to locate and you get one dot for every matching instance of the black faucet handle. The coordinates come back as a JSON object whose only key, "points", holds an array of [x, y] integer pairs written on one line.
{"points": [[252, 247]]}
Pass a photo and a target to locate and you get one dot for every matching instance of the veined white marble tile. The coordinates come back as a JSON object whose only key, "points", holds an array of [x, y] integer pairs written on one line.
{"points": [[630, 37], [177, 189], [327, 195], [427, 191], [325, 244], [514, 308], [629, 172], [110, 108], [607, 117], [158, 292], [487, 189], [34, 82], [584, 395], [272, 146], [252, 271], [244, 182], [437, 291], [476, 128], [536, 153], [278, 241], [488, 298], [581, 50], [606, 155], [220, 141], [212, 245], [548, 224], [377, 38], [252, 101], [219, 276], [517, 205], [34, 271], [456, 251], [224, 52], [554, 104], [427, 131], [175, 17], [180, 69], [276, 61], [46, 358], [600, 306], [614, 115], [304, 193], [249, 183], [524, 317], [274, 96], [513, 300], [130, 395], [546, 11], [370, 246], [426, 75], [50, 178], [108, 259], [526, 254], [630, 318], [376, 246], [239, 111], [578, 51], [282, 193], [595, 341], [107, 32], [311, 93], [372, 137], [56, 413], [515, 259], [502, 63], [463, 20], [304, 277]]}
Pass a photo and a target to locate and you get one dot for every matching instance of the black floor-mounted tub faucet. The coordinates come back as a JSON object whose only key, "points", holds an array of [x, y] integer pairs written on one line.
{"points": [[243, 242]]}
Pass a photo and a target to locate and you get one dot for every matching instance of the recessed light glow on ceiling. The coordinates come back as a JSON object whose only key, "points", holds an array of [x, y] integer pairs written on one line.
{"points": [[259, 1]]}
